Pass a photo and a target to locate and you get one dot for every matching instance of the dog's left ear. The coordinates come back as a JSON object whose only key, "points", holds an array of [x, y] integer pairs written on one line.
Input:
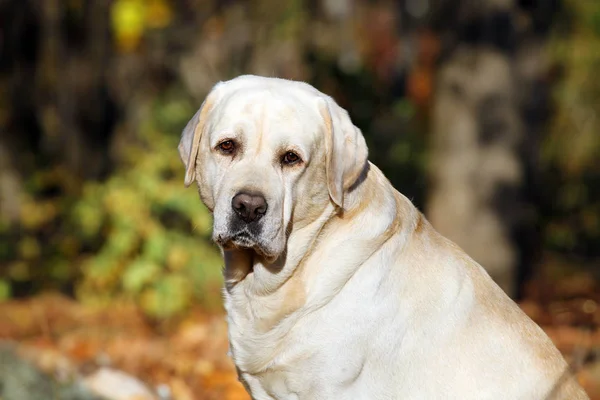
{"points": [[190, 138], [346, 150]]}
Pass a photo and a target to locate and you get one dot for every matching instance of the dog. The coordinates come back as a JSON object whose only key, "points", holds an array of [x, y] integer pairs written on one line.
{"points": [[336, 286]]}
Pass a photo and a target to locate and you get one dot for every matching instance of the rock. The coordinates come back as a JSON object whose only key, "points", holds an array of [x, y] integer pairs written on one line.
{"points": [[21, 380], [117, 385]]}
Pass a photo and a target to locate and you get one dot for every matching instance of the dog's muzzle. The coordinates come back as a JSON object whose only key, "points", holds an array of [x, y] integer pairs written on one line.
{"points": [[245, 225]]}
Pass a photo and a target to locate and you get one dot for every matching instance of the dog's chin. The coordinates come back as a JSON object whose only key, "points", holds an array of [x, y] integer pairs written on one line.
{"points": [[245, 242]]}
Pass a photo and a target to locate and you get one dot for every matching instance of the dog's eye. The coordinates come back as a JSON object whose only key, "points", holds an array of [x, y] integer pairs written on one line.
{"points": [[227, 146], [290, 158]]}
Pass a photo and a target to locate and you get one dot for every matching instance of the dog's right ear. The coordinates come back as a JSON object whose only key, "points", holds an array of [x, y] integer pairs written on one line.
{"points": [[345, 149], [190, 138]]}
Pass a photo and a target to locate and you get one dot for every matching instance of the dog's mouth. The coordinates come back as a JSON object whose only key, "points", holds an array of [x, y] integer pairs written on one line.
{"points": [[244, 240]]}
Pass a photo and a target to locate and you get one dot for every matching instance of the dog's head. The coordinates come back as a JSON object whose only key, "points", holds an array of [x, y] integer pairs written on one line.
{"points": [[267, 154]]}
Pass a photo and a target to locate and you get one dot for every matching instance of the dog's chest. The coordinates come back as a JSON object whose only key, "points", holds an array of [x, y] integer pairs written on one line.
{"points": [[304, 363], [325, 353]]}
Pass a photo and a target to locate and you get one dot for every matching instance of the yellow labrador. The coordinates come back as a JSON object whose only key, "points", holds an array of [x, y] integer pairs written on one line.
{"points": [[337, 287]]}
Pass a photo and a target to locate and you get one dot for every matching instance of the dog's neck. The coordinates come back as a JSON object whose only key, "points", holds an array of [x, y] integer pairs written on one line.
{"points": [[262, 277]]}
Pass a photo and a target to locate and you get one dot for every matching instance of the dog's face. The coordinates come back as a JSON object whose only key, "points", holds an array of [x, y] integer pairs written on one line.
{"points": [[269, 155]]}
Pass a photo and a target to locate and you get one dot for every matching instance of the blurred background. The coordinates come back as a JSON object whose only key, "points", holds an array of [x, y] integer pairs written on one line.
{"points": [[485, 113]]}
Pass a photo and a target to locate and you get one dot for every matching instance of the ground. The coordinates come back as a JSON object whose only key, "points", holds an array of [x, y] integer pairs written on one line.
{"points": [[188, 357]]}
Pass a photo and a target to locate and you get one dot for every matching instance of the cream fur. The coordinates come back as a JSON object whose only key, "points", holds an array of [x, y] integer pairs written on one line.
{"points": [[362, 301]]}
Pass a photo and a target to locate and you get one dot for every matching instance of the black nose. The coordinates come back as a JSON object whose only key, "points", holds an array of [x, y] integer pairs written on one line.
{"points": [[249, 207]]}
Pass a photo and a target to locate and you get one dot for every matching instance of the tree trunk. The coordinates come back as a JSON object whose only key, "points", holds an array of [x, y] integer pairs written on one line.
{"points": [[489, 108], [476, 170]]}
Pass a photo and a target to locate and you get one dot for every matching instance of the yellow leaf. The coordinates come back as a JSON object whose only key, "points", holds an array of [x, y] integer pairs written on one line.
{"points": [[128, 23]]}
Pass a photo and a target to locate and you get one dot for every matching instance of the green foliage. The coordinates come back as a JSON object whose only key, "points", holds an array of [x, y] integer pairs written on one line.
{"points": [[152, 234], [573, 142], [4, 289], [570, 152], [139, 235]]}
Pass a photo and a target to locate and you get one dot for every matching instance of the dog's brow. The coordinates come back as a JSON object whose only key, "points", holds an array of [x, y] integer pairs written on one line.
{"points": [[235, 132], [261, 124]]}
